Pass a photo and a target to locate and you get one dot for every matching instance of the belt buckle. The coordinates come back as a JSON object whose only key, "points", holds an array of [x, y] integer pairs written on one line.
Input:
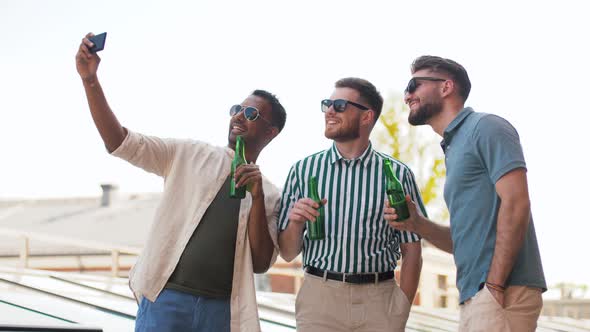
{"points": [[376, 277], [344, 277]]}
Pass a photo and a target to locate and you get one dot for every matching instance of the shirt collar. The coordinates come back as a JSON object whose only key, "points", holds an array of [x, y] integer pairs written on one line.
{"points": [[334, 155], [454, 125]]}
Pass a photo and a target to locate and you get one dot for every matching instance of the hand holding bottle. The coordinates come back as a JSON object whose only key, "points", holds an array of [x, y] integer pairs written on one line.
{"points": [[305, 209], [250, 177], [411, 224]]}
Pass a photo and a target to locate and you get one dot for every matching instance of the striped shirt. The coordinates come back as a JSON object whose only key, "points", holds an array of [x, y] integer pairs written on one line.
{"points": [[358, 239]]}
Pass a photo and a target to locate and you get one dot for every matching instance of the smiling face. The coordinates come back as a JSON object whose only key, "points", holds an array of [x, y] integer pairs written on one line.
{"points": [[255, 133], [344, 126], [426, 100]]}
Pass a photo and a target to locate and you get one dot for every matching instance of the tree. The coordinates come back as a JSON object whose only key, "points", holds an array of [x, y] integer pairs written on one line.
{"points": [[418, 147]]}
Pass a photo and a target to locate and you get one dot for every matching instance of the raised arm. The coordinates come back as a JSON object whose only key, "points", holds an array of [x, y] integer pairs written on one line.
{"points": [[106, 122]]}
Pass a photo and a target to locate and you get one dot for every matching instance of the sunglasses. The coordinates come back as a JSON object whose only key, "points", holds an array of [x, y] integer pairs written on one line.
{"points": [[250, 113], [340, 105], [413, 83]]}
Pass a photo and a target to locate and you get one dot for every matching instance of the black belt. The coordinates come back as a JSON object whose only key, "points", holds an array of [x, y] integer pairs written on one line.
{"points": [[353, 278]]}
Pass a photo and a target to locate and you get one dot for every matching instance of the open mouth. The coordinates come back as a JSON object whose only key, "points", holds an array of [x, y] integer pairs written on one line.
{"points": [[238, 129], [331, 122]]}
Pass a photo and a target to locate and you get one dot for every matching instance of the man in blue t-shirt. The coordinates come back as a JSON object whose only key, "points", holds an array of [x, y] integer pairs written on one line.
{"points": [[492, 236]]}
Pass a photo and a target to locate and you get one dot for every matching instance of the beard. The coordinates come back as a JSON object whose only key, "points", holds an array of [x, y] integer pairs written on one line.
{"points": [[424, 113], [344, 133]]}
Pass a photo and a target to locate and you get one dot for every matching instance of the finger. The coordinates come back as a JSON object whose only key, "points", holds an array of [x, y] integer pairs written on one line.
{"points": [[387, 203], [400, 226], [248, 178], [302, 215], [245, 168], [307, 201], [411, 206], [390, 217], [83, 50], [324, 201], [86, 42], [306, 209]]}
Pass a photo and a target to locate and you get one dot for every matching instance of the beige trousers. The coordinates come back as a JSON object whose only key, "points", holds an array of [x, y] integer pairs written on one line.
{"points": [[332, 306], [520, 313]]}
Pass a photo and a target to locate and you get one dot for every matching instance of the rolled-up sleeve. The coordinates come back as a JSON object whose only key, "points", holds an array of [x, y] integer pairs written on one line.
{"points": [[153, 154], [272, 221]]}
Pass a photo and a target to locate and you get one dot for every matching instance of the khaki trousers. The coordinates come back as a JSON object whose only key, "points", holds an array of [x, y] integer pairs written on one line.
{"points": [[332, 306], [520, 313]]}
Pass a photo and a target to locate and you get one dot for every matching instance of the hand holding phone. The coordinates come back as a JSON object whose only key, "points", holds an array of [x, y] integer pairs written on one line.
{"points": [[98, 41]]}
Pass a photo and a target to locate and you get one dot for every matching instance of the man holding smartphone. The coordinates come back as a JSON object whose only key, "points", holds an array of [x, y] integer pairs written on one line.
{"points": [[178, 285]]}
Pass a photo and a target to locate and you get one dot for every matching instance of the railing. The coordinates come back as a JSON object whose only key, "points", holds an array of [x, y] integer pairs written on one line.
{"points": [[26, 236], [115, 250]]}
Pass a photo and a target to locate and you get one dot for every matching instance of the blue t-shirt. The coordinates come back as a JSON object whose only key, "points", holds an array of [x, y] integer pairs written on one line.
{"points": [[479, 149]]}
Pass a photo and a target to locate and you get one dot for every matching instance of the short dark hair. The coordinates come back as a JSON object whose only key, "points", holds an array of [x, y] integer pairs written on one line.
{"points": [[367, 91], [447, 66], [279, 116]]}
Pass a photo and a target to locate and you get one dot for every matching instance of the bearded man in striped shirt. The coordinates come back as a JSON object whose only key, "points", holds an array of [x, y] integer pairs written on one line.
{"points": [[349, 275]]}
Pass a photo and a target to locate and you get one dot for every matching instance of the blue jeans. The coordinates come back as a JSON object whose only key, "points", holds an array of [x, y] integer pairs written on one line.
{"points": [[176, 311]]}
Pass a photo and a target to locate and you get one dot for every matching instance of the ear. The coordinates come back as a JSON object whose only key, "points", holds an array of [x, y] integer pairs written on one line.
{"points": [[272, 132], [367, 117], [448, 88]]}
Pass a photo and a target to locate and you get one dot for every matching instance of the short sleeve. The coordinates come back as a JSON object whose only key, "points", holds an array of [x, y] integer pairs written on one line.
{"points": [[498, 145], [411, 188], [290, 195]]}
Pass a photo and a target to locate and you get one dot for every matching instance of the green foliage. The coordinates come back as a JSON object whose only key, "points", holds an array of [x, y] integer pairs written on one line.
{"points": [[418, 147]]}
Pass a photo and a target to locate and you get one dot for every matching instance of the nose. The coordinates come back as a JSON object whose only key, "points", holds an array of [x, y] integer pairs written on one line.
{"points": [[406, 97], [330, 110], [239, 116]]}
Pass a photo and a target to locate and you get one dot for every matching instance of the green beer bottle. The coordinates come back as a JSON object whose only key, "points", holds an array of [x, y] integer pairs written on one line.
{"points": [[239, 159], [315, 230], [395, 192]]}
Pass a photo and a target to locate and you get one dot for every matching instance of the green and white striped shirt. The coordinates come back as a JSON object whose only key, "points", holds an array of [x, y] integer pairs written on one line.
{"points": [[358, 239]]}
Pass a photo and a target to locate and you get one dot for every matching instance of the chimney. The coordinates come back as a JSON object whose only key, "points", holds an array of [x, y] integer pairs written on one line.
{"points": [[108, 194]]}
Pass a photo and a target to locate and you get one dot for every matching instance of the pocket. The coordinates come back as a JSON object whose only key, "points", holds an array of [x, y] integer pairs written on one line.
{"points": [[300, 294], [405, 297], [399, 303], [491, 297], [140, 312]]}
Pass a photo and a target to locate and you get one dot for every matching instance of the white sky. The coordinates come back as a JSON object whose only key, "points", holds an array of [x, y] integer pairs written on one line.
{"points": [[173, 68]]}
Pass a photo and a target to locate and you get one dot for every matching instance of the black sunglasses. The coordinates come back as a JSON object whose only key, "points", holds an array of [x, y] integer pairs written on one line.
{"points": [[339, 105], [413, 83], [250, 113]]}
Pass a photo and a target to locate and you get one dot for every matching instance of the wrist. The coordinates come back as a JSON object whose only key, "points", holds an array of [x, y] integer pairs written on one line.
{"points": [[90, 80], [298, 225], [420, 224], [495, 286], [258, 197]]}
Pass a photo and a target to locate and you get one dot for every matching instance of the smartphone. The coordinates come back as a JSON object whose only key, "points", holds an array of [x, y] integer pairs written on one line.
{"points": [[98, 41]]}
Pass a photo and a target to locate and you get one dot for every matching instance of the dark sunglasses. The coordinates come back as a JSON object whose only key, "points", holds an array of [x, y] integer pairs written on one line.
{"points": [[250, 113], [413, 83], [339, 105]]}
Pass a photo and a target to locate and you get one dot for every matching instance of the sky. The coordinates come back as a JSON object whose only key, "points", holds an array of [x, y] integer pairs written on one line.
{"points": [[174, 68]]}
